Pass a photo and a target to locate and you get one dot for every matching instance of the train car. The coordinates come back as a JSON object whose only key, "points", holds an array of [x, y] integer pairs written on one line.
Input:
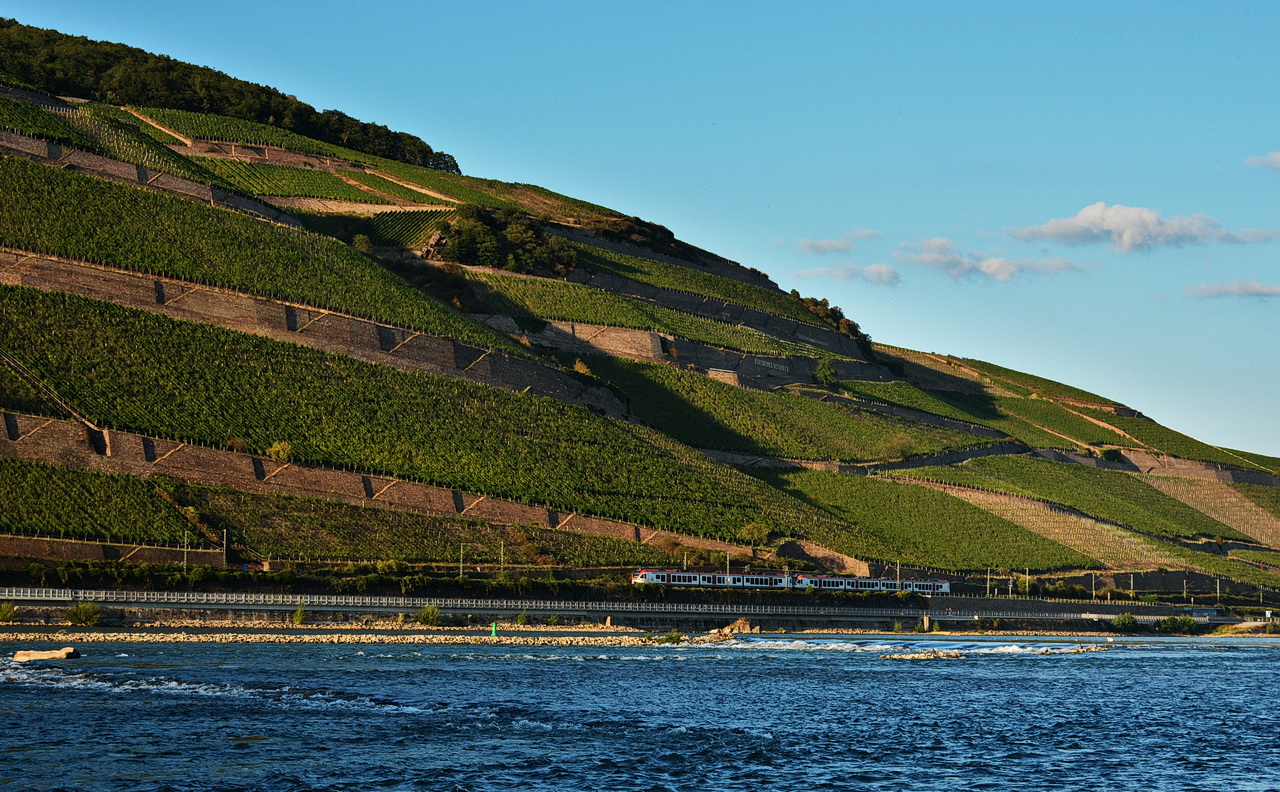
{"points": [[783, 581]]}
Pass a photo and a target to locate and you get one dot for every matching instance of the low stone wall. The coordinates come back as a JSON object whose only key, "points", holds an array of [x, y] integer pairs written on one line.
{"points": [[298, 324], [137, 175], [66, 443]]}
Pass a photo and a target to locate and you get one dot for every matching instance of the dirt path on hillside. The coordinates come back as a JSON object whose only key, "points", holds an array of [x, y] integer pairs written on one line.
{"points": [[157, 125]]}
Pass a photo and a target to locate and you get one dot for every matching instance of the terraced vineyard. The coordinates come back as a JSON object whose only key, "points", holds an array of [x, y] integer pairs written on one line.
{"points": [[1267, 498], [899, 522], [288, 527], [1108, 494], [1171, 442], [686, 279], [233, 130], [57, 502], [1223, 503], [705, 413], [543, 298], [287, 182], [77, 216], [143, 372], [391, 188], [1054, 417], [28, 119], [406, 229]]}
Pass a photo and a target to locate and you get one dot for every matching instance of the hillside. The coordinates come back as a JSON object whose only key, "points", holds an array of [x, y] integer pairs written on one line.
{"points": [[227, 327]]}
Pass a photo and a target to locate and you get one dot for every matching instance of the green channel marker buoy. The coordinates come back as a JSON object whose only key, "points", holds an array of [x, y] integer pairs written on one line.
{"points": [[495, 630]]}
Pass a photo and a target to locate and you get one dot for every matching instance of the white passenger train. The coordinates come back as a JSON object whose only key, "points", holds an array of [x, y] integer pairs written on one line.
{"points": [[784, 581]]}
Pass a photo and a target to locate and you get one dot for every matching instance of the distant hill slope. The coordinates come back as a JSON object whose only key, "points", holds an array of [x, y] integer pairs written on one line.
{"points": [[686, 351]]}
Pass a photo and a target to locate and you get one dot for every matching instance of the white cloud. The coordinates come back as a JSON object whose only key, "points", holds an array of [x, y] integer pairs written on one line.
{"points": [[945, 255], [875, 273], [1271, 161], [1130, 228], [1234, 289], [841, 245]]}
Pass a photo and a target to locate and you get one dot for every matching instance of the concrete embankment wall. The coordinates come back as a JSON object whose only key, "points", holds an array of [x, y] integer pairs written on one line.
{"points": [[136, 175], [67, 444], [281, 321]]}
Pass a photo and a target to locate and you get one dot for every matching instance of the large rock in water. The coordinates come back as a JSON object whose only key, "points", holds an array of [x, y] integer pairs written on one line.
{"points": [[65, 653]]}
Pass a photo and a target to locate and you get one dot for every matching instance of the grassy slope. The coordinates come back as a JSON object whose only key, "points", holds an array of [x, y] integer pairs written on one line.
{"points": [[708, 414], [1172, 442], [70, 214], [1108, 494], [143, 372], [915, 525]]}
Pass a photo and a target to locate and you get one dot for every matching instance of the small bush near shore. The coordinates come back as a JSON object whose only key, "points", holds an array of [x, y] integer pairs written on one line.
{"points": [[1125, 622], [428, 616], [522, 618], [85, 614], [8, 612], [673, 637], [299, 616]]}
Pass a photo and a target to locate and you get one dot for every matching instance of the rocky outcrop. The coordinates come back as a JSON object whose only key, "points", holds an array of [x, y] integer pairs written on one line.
{"points": [[65, 653]]}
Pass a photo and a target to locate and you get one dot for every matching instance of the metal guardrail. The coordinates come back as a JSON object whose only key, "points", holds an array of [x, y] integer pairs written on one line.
{"points": [[196, 599]]}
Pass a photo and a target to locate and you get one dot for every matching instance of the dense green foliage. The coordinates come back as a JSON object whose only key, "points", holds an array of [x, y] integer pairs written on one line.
{"points": [[1268, 557], [917, 525], [1045, 387], [51, 501], [544, 298], [992, 411], [1108, 494], [503, 239], [687, 279], [69, 214], [1047, 414], [76, 66], [137, 371], [287, 527], [705, 413], [18, 395], [28, 119], [267, 179], [405, 229], [1172, 442]]}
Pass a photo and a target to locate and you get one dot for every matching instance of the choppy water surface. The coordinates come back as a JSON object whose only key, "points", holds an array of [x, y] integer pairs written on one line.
{"points": [[750, 714]]}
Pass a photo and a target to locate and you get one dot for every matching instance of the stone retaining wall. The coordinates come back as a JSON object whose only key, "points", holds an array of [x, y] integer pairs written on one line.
{"points": [[66, 443], [281, 321], [1145, 462], [75, 550], [137, 175]]}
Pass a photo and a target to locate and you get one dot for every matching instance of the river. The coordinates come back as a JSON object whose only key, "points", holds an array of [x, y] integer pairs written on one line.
{"points": [[764, 712]]}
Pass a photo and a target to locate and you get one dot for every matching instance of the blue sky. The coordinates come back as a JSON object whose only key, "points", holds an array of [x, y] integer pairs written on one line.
{"points": [[1086, 191]]}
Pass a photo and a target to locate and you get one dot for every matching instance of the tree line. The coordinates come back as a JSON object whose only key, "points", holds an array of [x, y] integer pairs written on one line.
{"points": [[65, 65]]}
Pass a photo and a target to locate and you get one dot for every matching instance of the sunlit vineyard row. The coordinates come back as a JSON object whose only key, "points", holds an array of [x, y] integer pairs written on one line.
{"points": [[915, 525], [391, 188], [1045, 387], [69, 214], [261, 178], [125, 117], [705, 413], [1224, 566], [406, 229], [1057, 418], [232, 130], [1108, 494], [137, 371], [57, 502], [687, 279], [544, 298], [289, 527], [1266, 498], [28, 119]]}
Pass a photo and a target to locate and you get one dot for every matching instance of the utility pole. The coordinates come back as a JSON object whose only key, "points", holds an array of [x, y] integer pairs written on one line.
{"points": [[1093, 584], [988, 581]]}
